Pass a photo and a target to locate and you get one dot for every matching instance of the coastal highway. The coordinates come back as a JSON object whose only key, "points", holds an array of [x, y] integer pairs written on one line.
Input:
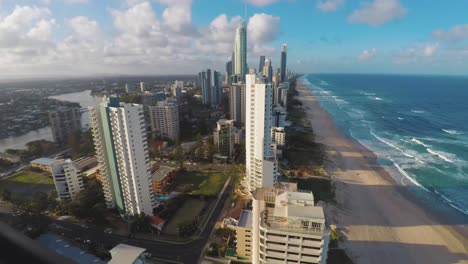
{"points": [[166, 251]]}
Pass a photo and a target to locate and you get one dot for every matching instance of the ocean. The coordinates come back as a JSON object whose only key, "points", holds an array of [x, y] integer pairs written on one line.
{"points": [[416, 125]]}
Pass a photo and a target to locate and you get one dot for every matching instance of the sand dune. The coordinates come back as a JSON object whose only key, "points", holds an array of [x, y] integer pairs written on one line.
{"points": [[381, 221]]}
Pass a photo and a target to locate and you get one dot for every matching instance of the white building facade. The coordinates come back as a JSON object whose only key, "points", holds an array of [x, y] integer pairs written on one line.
{"points": [[261, 165], [287, 227], [122, 151], [164, 119], [67, 179]]}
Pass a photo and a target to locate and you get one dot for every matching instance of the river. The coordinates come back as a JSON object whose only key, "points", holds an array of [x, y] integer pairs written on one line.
{"points": [[84, 98]]}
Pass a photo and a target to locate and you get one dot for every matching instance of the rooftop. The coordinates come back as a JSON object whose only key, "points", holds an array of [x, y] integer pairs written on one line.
{"points": [[245, 219], [162, 172], [43, 161], [125, 254]]}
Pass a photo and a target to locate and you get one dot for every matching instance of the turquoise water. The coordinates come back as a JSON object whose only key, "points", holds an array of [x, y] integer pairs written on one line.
{"points": [[416, 125]]}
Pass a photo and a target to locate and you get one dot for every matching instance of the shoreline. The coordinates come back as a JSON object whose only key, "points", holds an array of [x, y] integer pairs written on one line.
{"points": [[377, 216]]}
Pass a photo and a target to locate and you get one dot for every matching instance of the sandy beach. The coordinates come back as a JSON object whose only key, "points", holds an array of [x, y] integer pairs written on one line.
{"points": [[381, 221]]}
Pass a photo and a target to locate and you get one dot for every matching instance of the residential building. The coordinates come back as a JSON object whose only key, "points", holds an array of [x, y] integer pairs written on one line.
{"points": [[67, 179], [126, 254], [205, 83], [177, 88], [63, 123], [261, 64], [84, 163], [152, 98], [224, 137], [279, 117], [122, 151], [164, 119], [287, 227], [261, 167], [162, 179], [44, 164], [229, 72], [244, 236], [267, 71], [240, 50], [10, 157], [142, 87], [278, 136], [237, 103], [283, 63], [127, 88]]}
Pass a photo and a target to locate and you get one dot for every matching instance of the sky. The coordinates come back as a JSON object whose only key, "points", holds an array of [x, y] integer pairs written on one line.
{"points": [[48, 38]]}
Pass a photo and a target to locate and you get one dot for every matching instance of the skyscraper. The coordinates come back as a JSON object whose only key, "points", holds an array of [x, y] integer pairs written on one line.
{"points": [[64, 122], [229, 72], [283, 63], [142, 87], [223, 137], [240, 51], [164, 118], [268, 70], [216, 92], [262, 63], [122, 151], [205, 83], [237, 103], [260, 162]]}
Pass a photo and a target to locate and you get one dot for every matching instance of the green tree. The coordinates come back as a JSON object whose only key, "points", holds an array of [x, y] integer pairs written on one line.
{"points": [[209, 149], [39, 202], [141, 222], [89, 203], [6, 195], [179, 156]]}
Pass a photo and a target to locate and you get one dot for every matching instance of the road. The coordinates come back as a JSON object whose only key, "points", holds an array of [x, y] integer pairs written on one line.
{"points": [[171, 252]]}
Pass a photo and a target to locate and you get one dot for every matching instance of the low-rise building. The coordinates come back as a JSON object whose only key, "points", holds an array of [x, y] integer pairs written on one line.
{"points": [[9, 157], [162, 179], [244, 236], [85, 162], [44, 164], [126, 254], [67, 179]]}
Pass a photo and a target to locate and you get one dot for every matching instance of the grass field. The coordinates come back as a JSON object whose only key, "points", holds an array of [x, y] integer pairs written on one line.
{"points": [[189, 211], [26, 183], [200, 182]]}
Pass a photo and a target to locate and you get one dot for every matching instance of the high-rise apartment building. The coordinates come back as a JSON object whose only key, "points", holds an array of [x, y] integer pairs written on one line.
{"points": [[142, 87], [216, 90], [261, 164], [64, 122], [164, 119], [177, 88], [268, 71], [237, 103], [283, 63], [205, 84], [228, 79], [119, 134], [240, 51], [224, 137], [67, 179], [261, 64], [286, 227]]}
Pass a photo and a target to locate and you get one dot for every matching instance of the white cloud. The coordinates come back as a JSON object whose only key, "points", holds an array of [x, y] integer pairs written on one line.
{"points": [[329, 5], [456, 33], [367, 54], [263, 28], [261, 3], [84, 27], [76, 1], [418, 53], [378, 12]]}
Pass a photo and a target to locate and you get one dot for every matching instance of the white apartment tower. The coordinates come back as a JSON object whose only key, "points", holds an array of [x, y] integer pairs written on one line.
{"points": [[240, 50], [260, 162], [122, 151], [164, 118], [67, 179], [286, 227]]}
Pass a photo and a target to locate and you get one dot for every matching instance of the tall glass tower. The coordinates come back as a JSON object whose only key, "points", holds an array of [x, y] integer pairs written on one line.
{"points": [[240, 51]]}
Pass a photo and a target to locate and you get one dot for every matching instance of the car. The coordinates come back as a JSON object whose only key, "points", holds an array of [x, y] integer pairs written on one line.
{"points": [[84, 226], [108, 230]]}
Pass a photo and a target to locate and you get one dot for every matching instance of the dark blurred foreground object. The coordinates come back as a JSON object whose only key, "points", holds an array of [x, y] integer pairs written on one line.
{"points": [[17, 248]]}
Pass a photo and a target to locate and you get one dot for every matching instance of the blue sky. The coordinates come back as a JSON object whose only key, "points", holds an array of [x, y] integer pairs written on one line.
{"points": [[92, 37]]}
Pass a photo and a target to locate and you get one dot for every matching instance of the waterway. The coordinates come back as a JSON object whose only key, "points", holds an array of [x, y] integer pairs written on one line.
{"points": [[84, 98]]}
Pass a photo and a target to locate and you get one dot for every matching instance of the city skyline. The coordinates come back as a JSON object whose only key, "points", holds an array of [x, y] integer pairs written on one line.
{"points": [[86, 37]]}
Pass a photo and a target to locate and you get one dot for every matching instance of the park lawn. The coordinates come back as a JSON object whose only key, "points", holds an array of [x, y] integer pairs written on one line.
{"points": [[26, 183], [188, 212], [200, 182]]}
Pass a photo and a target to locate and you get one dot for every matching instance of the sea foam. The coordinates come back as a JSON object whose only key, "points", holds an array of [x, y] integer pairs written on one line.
{"points": [[439, 155], [452, 132]]}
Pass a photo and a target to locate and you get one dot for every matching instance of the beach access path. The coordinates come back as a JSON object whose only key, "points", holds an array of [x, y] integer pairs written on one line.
{"points": [[380, 222]]}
